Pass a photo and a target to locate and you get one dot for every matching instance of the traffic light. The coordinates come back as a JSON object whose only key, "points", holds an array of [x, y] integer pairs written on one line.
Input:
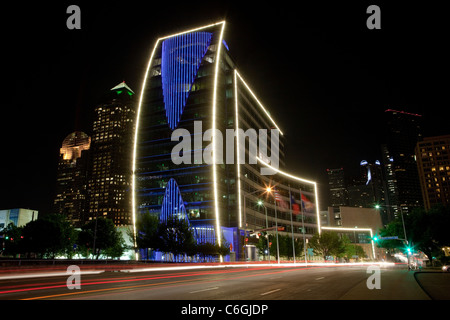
{"points": [[375, 238], [408, 250]]}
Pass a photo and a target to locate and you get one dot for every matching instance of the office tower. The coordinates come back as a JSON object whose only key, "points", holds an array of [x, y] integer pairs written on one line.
{"points": [[193, 93], [433, 163], [391, 195], [71, 180], [403, 133], [110, 157], [338, 188], [368, 189]]}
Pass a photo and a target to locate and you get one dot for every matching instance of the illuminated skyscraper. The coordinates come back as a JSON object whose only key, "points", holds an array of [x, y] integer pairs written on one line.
{"points": [[110, 157], [192, 84], [403, 132], [433, 162], [71, 187]]}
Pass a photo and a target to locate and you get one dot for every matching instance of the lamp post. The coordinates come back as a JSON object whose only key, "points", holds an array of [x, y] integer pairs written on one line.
{"points": [[261, 203], [404, 229], [269, 190], [245, 217]]}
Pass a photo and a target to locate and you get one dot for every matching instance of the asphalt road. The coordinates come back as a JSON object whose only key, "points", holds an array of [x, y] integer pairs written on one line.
{"points": [[224, 283]]}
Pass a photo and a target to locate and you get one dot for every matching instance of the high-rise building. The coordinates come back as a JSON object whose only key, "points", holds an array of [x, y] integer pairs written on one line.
{"points": [[71, 180], [338, 187], [433, 162], [192, 94], [391, 196], [368, 189], [403, 132], [110, 157]]}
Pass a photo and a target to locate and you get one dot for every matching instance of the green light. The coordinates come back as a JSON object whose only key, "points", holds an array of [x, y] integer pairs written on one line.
{"points": [[377, 206]]}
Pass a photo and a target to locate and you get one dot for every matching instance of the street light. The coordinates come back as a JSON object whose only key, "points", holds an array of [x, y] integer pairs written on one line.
{"points": [[269, 190], [245, 214], [378, 206], [261, 203]]}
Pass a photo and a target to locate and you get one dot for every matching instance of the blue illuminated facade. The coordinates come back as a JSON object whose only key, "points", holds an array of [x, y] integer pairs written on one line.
{"points": [[180, 60], [179, 91]]}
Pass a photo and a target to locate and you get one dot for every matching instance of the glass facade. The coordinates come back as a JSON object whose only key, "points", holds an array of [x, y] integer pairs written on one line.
{"points": [[192, 82]]}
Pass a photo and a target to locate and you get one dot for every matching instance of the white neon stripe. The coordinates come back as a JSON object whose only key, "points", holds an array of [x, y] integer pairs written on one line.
{"points": [[316, 193], [355, 229], [133, 181], [192, 30], [302, 180], [213, 138], [260, 104], [238, 164]]}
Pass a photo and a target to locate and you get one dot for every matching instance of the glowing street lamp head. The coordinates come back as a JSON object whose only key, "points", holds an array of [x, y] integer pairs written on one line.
{"points": [[260, 202], [269, 189]]}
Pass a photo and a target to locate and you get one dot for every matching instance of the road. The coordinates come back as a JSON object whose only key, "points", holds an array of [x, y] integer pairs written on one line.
{"points": [[222, 283]]}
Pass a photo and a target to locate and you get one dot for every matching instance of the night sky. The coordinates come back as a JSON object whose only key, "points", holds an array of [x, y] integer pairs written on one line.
{"points": [[325, 77]]}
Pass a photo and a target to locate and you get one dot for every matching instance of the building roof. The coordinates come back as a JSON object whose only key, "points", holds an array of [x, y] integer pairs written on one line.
{"points": [[122, 85]]}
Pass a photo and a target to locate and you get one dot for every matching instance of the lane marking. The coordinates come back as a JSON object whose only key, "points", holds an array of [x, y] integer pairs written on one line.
{"points": [[320, 278], [207, 289], [269, 292]]}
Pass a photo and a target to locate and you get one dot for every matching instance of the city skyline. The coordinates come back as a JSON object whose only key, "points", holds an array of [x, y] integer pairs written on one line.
{"points": [[335, 86]]}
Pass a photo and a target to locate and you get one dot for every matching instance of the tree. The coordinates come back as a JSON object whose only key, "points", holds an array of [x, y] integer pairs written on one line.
{"points": [[350, 249], [426, 230], [100, 236], [326, 244], [48, 237], [176, 237], [210, 250], [12, 240], [147, 228]]}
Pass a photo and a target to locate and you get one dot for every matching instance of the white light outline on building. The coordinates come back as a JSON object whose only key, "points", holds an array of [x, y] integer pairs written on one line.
{"points": [[355, 229], [213, 138], [302, 180], [133, 166], [237, 150], [260, 104], [133, 174], [236, 74]]}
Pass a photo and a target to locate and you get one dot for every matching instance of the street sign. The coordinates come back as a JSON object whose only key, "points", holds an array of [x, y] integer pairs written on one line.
{"points": [[389, 238]]}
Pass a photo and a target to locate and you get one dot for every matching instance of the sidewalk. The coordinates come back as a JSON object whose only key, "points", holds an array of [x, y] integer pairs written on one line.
{"points": [[396, 284]]}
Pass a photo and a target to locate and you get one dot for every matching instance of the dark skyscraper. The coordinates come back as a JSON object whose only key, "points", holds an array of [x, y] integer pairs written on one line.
{"points": [[71, 185], [110, 160], [404, 130], [338, 187]]}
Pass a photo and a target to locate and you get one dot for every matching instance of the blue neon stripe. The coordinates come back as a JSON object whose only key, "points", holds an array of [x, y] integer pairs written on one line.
{"points": [[180, 60]]}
